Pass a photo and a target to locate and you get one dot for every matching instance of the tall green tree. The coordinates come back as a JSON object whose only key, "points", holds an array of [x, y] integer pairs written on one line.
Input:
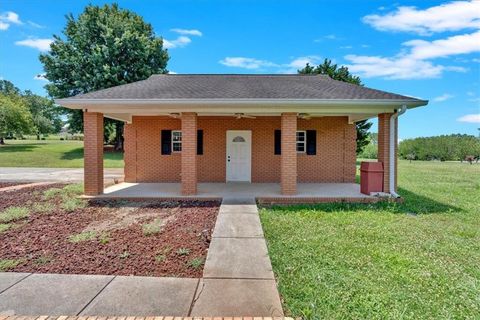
{"points": [[15, 118], [342, 74], [105, 46], [46, 115]]}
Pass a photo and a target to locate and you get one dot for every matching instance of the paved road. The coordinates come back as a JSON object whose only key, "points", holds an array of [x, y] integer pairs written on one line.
{"points": [[52, 174]]}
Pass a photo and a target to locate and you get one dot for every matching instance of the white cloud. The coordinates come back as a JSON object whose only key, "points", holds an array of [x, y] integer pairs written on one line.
{"points": [[413, 62], [477, 99], [398, 67], [39, 44], [180, 42], [443, 97], [11, 17], [246, 63], [459, 44], [470, 118], [257, 64], [40, 77], [7, 18], [346, 47], [36, 25], [172, 72], [189, 32], [451, 16], [298, 63]]}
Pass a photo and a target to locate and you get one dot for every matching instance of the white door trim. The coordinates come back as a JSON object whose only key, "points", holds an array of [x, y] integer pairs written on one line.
{"points": [[245, 172]]}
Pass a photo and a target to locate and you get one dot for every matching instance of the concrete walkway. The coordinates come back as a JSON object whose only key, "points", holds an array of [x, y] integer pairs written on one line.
{"points": [[238, 281], [238, 277], [52, 174]]}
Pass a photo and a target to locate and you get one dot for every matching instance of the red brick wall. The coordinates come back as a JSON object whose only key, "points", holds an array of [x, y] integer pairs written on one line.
{"points": [[288, 160], [93, 153], [189, 153], [334, 161]]}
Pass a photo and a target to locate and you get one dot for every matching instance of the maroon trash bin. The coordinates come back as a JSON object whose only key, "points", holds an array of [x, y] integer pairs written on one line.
{"points": [[371, 177]]}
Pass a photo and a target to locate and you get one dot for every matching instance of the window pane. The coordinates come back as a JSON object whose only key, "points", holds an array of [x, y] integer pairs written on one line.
{"points": [[177, 146], [300, 136], [300, 147], [176, 136]]}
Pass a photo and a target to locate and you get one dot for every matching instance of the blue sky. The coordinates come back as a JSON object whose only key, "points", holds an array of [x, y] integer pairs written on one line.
{"points": [[427, 49]]}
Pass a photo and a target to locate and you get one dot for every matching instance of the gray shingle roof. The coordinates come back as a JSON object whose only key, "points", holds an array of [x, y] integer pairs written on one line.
{"points": [[237, 87]]}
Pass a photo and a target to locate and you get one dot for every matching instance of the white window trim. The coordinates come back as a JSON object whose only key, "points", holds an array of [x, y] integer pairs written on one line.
{"points": [[304, 142], [177, 142]]}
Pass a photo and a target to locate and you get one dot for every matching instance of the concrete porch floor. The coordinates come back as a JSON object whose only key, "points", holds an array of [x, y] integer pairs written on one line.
{"points": [[260, 191]]}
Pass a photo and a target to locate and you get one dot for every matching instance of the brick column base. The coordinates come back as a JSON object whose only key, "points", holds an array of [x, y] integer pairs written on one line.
{"points": [[189, 153], [288, 163], [93, 153]]}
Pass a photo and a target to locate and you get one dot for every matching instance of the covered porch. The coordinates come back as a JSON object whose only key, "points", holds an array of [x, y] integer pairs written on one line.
{"points": [[263, 192]]}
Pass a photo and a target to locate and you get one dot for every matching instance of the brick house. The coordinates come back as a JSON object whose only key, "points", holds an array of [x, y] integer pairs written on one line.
{"points": [[283, 129]]}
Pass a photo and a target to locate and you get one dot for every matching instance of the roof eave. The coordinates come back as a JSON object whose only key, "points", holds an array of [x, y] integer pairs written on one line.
{"points": [[74, 103]]}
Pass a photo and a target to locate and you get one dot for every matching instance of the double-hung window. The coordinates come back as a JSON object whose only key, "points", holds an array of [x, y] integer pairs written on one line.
{"points": [[301, 141], [176, 140]]}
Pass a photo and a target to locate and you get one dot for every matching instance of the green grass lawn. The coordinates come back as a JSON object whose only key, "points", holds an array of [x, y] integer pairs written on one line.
{"points": [[417, 260], [50, 154]]}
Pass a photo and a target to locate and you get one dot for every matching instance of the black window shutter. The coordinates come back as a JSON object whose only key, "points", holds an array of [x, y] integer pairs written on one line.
{"points": [[166, 141], [200, 142], [278, 142], [311, 142]]}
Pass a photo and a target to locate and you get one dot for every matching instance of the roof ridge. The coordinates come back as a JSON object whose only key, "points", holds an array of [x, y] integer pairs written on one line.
{"points": [[241, 74]]}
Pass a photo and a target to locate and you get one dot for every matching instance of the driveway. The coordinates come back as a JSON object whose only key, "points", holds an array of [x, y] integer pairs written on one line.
{"points": [[53, 174]]}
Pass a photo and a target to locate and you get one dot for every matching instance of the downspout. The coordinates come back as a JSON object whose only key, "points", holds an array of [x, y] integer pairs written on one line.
{"points": [[393, 129]]}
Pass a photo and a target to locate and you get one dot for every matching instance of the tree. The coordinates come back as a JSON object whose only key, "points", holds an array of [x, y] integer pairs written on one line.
{"points": [[45, 114], [14, 117], [342, 74], [104, 47]]}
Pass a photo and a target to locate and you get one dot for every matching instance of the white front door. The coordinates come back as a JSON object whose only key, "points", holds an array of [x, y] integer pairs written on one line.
{"points": [[239, 155]]}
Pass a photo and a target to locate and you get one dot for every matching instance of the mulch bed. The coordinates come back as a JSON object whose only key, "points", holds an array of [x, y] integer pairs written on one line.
{"points": [[41, 242], [11, 184], [24, 197]]}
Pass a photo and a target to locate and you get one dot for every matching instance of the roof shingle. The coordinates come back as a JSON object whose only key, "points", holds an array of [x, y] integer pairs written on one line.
{"points": [[238, 87]]}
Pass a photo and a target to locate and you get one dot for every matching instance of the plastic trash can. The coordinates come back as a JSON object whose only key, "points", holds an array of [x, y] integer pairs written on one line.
{"points": [[371, 177]]}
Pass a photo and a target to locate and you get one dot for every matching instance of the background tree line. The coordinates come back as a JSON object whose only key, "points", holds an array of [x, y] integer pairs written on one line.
{"points": [[454, 147], [444, 148], [23, 112]]}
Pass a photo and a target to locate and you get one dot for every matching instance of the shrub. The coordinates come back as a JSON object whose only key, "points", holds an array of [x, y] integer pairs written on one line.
{"points": [[83, 236], [183, 252], [51, 193], [43, 207], [153, 227], [73, 204], [14, 214], [7, 264], [4, 227], [195, 263]]}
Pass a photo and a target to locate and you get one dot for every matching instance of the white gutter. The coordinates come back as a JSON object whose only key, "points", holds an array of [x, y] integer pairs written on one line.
{"points": [[79, 103], [393, 129]]}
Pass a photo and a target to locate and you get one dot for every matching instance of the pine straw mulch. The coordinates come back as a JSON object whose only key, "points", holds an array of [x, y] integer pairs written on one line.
{"points": [[108, 237]]}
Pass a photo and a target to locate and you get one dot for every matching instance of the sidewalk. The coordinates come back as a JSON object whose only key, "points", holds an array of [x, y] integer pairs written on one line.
{"points": [[238, 281]]}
